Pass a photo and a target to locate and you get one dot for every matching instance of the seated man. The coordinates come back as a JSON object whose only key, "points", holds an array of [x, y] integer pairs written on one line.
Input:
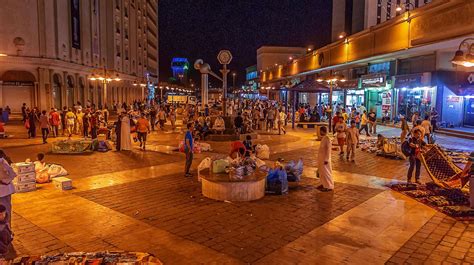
{"points": [[219, 125]]}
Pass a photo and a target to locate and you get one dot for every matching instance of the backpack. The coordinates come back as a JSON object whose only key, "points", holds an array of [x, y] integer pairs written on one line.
{"points": [[406, 149]]}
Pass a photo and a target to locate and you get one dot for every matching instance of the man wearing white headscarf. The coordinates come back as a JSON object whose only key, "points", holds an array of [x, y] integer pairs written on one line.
{"points": [[324, 162]]}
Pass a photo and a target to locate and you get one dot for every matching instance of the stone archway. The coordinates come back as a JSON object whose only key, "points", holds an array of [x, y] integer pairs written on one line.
{"points": [[81, 92], [70, 91], [17, 88], [56, 91]]}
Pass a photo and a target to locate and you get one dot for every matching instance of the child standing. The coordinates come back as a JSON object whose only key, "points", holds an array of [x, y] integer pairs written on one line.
{"points": [[352, 140], [341, 129], [416, 146]]}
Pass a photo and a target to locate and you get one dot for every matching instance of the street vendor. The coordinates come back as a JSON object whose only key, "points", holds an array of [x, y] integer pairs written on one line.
{"points": [[234, 148]]}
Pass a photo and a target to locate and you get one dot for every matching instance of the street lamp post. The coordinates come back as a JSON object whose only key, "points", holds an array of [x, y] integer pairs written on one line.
{"points": [[104, 79], [332, 80], [233, 80], [407, 6]]}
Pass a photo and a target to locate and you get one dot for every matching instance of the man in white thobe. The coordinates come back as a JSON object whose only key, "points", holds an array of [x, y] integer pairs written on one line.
{"points": [[324, 162]]}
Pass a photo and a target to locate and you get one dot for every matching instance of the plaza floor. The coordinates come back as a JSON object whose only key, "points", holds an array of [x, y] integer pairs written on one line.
{"points": [[140, 201]]}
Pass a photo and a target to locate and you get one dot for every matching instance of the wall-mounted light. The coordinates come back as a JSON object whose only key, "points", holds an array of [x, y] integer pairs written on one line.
{"points": [[466, 58]]}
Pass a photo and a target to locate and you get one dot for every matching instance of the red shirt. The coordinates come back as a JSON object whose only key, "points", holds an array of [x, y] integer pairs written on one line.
{"points": [[235, 146], [335, 119], [54, 119]]}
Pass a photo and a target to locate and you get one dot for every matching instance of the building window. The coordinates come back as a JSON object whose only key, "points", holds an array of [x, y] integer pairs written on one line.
{"points": [[117, 4]]}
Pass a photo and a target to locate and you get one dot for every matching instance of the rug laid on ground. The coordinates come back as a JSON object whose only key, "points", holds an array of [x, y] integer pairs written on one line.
{"points": [[106, 257], [450, 201]]}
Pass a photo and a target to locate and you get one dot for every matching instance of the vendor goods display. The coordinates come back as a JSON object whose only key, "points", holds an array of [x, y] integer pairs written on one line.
{"points": [[25, 180], [62, 183], [457, 156], [96, 258], [71, 146], [438, 165], [451, 201]]}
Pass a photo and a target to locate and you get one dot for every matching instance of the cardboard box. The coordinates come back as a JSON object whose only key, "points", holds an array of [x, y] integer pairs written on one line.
{"points": [[26, 177], [25, 187], [62, 183], [24, 167]]}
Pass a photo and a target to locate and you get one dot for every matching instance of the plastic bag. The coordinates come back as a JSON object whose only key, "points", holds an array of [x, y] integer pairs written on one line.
{"points": [[263, 151], [205, 163], [259, 162], [294, 170], [56, 171], [205, 147], [219, 166], [277, 182]]}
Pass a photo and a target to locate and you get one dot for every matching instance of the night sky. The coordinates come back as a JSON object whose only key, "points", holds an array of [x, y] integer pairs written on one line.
{"points": [[200, 28]]}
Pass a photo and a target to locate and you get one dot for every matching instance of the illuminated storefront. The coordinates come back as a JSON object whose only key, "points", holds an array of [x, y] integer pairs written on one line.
{"points": [[414, 93], [458, 101], [378, 93]]}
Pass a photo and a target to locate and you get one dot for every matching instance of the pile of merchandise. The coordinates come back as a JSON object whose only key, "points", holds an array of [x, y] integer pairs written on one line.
{"points": [[25, 180], [241, 168], [112, 257], [453, 202], [368, 144], [457, 156], [71, 146]]}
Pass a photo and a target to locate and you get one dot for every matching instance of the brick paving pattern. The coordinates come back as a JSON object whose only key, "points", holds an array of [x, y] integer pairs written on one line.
{"points": [[247, 231], [442, 240], [365, 163], [32, 240]]}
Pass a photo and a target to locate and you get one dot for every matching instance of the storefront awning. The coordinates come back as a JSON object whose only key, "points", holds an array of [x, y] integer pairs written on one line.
{"points": [[310, 86]]}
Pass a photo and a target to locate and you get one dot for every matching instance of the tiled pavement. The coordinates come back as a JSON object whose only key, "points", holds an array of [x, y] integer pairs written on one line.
{"points": [[359, 231], [441, 240], [246, 231]]}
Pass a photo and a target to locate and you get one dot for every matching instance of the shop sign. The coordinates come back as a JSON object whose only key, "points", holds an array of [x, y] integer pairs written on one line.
{"points": [[375, 80], [386, 100], [415, 80], [454, 99], [18, 83]]}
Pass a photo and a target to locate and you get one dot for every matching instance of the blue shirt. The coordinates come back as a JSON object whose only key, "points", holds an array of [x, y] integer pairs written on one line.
{"points": [[189, 137]]}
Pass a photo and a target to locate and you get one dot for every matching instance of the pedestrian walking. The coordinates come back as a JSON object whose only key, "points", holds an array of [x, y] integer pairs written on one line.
{"points": [[44, 125], [54, 121], [352, 140], [364, 123], [281, 122], [125, 140], [143, 128], [86, 123], [372, 122], [426, 124], [324, 162], [70, 122], [188, 149]]}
